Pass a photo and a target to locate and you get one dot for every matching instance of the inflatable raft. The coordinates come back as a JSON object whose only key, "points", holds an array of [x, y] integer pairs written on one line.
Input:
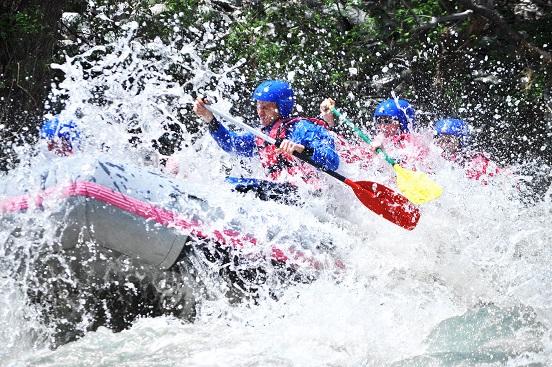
{"points": [[151, 231], [139, 213]]}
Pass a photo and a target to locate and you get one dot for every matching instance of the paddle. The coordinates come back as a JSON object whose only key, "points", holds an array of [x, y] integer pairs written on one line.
{"points": [[378, 198], [281, 192], [415, 185]]}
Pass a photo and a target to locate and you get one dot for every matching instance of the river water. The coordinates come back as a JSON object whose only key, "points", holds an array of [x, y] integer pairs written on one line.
{"points": [[470, 286]]}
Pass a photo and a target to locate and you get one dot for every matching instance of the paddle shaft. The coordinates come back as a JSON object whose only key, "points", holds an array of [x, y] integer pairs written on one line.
{"points": [[378, 198], [362, 135], [276, 142]]}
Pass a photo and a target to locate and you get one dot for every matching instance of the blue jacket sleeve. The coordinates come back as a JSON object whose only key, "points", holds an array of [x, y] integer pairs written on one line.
{"points": [[317, 138], [231, 142]]}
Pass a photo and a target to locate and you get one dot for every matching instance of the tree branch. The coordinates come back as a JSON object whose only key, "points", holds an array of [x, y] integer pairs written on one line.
{"points": [[411, 12], [543, 3], [506, 31], [447, 18], [22, 88]]}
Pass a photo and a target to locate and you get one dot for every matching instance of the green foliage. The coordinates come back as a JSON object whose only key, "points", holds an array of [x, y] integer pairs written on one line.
{"points": [[176, 6], [28, 22], [280, 38], [20, 24], [355, 51], [409, 19]]}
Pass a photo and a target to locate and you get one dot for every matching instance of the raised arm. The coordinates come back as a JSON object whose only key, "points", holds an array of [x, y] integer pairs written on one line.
{"points": [[229, 141]]}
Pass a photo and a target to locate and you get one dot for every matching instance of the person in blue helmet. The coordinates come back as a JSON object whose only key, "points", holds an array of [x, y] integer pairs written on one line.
{"points": [[275, 101], [350, 147], [394, 117], [451, 135], [63, 138], [394, 120]]}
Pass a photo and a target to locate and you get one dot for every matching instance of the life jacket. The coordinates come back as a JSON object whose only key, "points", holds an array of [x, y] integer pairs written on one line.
{"points": [[408, 148], [276, 162], [479, 167], [350, 152]]}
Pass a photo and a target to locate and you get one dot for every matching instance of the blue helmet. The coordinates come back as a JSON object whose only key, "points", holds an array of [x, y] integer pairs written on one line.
{"points": [[54, 129], [399, 109], [277, 91], [451, 126]]}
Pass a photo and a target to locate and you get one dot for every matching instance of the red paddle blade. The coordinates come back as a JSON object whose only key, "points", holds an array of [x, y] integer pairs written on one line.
{"points": [[383, 201]]}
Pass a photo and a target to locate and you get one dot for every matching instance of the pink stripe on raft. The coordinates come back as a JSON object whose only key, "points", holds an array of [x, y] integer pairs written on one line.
{"points": [[147, 211]]}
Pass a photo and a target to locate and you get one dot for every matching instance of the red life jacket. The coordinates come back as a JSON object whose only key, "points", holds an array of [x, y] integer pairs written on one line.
{"points": [[409, 148], [479, 167], [352, 151], [276, 162]]}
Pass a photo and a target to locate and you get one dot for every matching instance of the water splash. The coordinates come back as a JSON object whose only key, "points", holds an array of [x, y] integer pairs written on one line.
{"points": [[479, 254]]}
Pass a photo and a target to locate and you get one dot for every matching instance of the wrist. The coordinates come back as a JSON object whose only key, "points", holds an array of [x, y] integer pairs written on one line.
{"points": [[213, 124], [208, 118], [308, 151]]}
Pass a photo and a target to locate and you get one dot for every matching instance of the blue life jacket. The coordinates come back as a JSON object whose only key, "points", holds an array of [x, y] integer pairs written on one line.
{"points": [[299, 130]]}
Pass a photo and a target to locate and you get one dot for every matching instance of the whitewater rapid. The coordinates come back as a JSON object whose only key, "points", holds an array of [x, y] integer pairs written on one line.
{"points": [[471, 285]]}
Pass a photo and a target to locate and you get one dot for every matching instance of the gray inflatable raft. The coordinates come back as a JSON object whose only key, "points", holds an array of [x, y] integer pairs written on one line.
{"points": [[126, 209], [114, 224], [139, 213]]}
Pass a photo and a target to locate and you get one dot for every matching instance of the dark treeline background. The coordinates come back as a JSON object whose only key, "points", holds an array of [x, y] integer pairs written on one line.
{"points": [[486, 61]]}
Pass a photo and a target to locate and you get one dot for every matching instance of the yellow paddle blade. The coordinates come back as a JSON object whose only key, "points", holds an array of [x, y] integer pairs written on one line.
{"points": [[416, 186]]}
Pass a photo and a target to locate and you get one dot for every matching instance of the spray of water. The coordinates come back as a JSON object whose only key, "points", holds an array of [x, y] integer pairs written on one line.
{"points": [[477, 267]]}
